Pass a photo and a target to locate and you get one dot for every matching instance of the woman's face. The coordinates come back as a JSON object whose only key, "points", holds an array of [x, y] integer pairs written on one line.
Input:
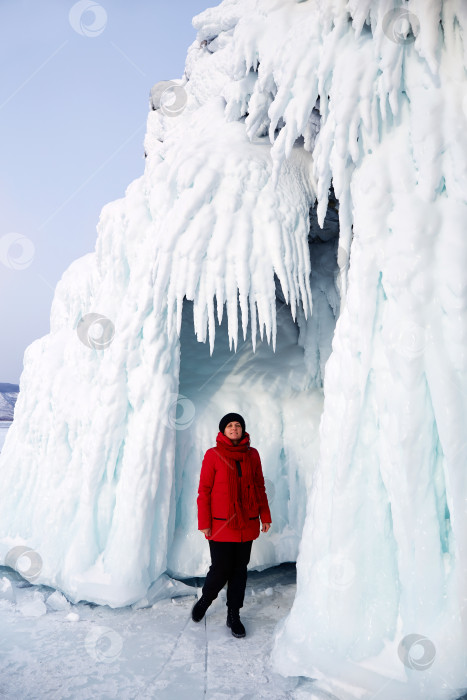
{"points": [[233, 430]]}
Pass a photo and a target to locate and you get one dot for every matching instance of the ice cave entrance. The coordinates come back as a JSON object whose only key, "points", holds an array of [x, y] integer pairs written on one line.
{"points": [[280, 395]]}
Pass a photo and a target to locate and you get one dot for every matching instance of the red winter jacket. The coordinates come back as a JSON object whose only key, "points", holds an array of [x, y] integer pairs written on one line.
{"points": [[213, 492]]}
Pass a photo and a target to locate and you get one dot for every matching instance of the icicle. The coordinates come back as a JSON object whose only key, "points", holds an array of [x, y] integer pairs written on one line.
{"points": [[200, 320], [211, 325], [232, 316], [308, 306], [220, 303], [253, 321], [179, 314], [274, 325], [268, 318], [244, 312]]}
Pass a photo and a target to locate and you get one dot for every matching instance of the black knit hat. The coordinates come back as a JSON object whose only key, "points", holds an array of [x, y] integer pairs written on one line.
{"points": [[229, 418]]}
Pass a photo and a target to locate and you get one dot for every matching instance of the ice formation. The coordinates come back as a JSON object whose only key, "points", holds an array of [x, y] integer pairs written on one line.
{"points": [[98, 474]]}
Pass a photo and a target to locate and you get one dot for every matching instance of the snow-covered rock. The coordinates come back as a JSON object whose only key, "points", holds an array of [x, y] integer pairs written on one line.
{"points": [[72, 617]]}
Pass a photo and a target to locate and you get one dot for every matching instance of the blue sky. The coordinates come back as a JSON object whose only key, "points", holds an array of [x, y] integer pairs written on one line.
{"points": [[73, 108]]}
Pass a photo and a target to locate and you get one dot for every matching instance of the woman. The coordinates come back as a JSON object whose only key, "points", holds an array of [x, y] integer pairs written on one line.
{"points": [[231, 500]]}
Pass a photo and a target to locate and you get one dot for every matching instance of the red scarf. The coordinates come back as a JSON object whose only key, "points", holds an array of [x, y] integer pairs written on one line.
{"points": [[241, 498]]}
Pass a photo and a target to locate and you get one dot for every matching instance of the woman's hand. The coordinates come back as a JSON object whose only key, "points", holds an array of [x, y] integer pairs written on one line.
{"points": [[265, 527], [207, 532]]}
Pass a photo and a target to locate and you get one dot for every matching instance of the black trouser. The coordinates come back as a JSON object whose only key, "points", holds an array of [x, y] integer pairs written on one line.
{"points": [[229, 565]]}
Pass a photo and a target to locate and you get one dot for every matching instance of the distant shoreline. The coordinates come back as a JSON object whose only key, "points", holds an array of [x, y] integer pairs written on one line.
{"points": [[7, 388]]}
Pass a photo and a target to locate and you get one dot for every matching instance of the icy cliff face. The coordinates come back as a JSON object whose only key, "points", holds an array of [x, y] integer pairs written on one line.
{"points": [[99, 470], [282, 100]]}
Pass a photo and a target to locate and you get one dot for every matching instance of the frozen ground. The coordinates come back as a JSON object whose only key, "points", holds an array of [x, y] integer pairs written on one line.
{"points": [[155, 652]]}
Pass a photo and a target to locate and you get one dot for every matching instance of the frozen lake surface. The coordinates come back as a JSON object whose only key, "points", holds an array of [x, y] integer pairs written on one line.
{"points": [[156, 652]]}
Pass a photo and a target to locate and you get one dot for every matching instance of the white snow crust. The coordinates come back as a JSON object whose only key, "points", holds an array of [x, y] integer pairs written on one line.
{"points": [[87, 651]]}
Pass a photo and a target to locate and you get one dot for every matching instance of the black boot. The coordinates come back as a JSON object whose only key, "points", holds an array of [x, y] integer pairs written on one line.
{"points": [[233, 621], [199, 608]]}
